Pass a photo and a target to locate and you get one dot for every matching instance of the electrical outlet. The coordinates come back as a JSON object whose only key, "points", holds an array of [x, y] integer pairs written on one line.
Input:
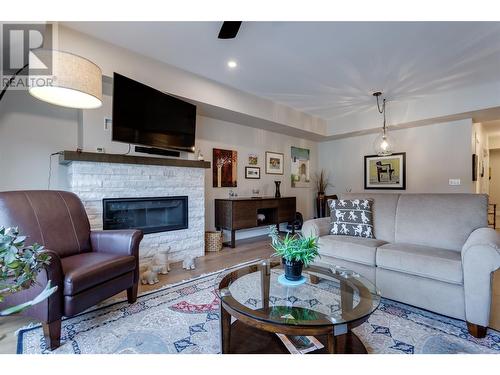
{"points": [[454, 181]]}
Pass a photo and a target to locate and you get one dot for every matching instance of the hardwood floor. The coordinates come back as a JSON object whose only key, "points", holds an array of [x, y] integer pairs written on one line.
{"points": [[246, 250]]}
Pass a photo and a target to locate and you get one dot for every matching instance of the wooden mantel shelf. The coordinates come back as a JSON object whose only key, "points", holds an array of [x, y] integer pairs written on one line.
{"points": [[66, 157]]}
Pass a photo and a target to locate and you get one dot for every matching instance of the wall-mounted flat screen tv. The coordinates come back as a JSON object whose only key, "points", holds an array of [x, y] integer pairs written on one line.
{"points": [[145, 116]]}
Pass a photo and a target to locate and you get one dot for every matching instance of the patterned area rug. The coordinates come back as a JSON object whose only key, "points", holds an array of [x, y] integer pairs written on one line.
{"points": [[185, 319]]}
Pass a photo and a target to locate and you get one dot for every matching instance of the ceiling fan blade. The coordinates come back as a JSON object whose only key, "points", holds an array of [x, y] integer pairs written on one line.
{"points": [[229, 29]]}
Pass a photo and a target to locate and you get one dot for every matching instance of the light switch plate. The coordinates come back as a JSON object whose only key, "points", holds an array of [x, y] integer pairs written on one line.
{"points": [[454, 181], [107, 124]]}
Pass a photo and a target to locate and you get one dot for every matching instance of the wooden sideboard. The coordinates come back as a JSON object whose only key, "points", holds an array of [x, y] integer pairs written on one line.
{"points": [[241, 213]]}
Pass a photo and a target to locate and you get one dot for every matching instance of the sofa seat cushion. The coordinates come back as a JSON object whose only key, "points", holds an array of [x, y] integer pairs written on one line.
{"points": [[431, 262], [354, 249], [86, 270]]}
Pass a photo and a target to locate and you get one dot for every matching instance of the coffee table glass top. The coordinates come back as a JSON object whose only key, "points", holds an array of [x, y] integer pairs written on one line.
{"points": [[341, 296]]}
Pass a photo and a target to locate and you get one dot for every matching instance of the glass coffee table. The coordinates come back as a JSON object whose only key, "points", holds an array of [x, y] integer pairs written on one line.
{"points": [[330, 302]]}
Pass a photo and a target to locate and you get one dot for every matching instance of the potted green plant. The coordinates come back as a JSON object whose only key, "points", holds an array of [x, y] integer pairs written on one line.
{"points": [[296, 252], [19, 267]]}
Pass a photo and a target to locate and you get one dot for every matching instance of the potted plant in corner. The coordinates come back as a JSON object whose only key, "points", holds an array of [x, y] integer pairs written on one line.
{"points": [[296, 252], [19, 267]]}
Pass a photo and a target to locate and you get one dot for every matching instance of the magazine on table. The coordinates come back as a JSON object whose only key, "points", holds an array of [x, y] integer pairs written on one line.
{"points": [[300, 344]]}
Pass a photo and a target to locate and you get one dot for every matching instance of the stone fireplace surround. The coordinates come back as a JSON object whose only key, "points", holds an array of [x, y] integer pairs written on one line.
{"points": [[93, 181]]}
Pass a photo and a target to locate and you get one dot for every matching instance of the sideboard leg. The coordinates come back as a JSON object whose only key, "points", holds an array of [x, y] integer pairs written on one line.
{"points": [[233, 239]]}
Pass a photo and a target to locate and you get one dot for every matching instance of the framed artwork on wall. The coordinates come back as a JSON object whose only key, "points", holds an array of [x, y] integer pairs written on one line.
{"points": [[253, 159], [300, 173], [224, 168], [252, 173], [385, 172], [274, 162]]}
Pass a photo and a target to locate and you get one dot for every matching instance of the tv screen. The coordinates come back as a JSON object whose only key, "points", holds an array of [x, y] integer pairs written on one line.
{"points": [[145, 116]]}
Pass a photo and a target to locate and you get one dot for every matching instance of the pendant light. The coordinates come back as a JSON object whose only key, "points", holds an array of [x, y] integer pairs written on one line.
{"points": [[383, 144]]}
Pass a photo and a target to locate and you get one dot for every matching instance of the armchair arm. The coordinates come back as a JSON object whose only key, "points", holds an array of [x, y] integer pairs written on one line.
{"points": [[50, 309], [316, 227], [480, 257], [125, 242]]}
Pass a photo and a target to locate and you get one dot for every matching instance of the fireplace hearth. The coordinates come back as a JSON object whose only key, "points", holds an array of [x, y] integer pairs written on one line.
{"points": [[151, 215]]}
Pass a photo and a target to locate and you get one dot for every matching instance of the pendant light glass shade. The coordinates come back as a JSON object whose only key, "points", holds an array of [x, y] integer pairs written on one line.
{"points": [[383, 144], [77, 82]]}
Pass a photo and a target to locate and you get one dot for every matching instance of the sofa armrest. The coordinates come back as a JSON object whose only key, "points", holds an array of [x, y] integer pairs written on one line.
{"points": [[48, 310], [480, 257], [123, 241], [316, 227]]}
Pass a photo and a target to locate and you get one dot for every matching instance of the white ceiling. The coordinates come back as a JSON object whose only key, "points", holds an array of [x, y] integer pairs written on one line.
{"points": [[327, 69]]}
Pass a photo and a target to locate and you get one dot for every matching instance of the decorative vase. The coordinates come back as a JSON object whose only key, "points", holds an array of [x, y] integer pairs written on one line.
{"points": [[293, 269], [277, 194], [320, 204]]}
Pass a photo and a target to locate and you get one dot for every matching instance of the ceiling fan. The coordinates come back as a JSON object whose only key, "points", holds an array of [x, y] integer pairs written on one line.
{"points": [[229, 29]]}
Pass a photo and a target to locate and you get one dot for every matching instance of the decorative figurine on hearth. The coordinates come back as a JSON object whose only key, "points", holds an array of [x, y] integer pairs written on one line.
{"points": [[150, 276], [189, 262], [160, 259]]}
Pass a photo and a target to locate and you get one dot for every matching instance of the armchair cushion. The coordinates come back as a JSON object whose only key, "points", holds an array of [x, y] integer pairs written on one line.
{"points": [[84, 271]]}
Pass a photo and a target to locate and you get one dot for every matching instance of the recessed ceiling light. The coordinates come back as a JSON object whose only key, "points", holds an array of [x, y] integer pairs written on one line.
{"points": [[232, 64]]}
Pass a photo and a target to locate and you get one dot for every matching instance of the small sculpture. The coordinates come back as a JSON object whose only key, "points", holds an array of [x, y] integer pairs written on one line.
{"points": [[261, 218], [189, 262], [150, 276], [160, 259]]}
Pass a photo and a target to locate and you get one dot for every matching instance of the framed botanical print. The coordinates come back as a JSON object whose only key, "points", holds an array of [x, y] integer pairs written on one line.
{"points": [[386, 172], [274, 162], [252, 173]]}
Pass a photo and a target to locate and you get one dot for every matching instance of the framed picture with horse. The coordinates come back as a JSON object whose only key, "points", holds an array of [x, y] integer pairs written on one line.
{"points": [[386, 172]]}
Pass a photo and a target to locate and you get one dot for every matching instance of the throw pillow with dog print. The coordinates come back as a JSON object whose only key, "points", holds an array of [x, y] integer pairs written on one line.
{"points": [[351, 217]]}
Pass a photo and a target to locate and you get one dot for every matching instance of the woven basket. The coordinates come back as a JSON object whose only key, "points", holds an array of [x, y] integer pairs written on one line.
{"points": [[213, 241]]}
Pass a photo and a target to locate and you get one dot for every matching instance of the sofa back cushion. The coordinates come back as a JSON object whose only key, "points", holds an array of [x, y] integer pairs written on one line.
{"points": [[384, 212], [54, 219], [439, 220]]}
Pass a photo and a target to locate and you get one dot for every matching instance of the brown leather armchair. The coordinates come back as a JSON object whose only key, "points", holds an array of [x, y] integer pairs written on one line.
{"points": [[87, 266]]}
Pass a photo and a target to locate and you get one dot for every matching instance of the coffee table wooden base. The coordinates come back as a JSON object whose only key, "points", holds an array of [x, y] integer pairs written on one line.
{"points": [[250, 340]]}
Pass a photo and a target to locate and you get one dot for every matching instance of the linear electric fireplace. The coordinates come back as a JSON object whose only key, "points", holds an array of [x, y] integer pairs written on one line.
{"points": [[152, 215]]}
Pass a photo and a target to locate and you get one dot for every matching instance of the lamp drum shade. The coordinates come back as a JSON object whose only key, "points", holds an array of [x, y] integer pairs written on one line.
{"points": [[76, 83]]}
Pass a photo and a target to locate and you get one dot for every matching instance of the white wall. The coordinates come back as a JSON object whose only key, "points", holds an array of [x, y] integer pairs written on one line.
{"points": [[217, 134], [434, 154], [30, 131]]}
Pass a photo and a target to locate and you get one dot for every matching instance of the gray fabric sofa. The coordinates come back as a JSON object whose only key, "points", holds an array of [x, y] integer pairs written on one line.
{"points": [[432, 251]]}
